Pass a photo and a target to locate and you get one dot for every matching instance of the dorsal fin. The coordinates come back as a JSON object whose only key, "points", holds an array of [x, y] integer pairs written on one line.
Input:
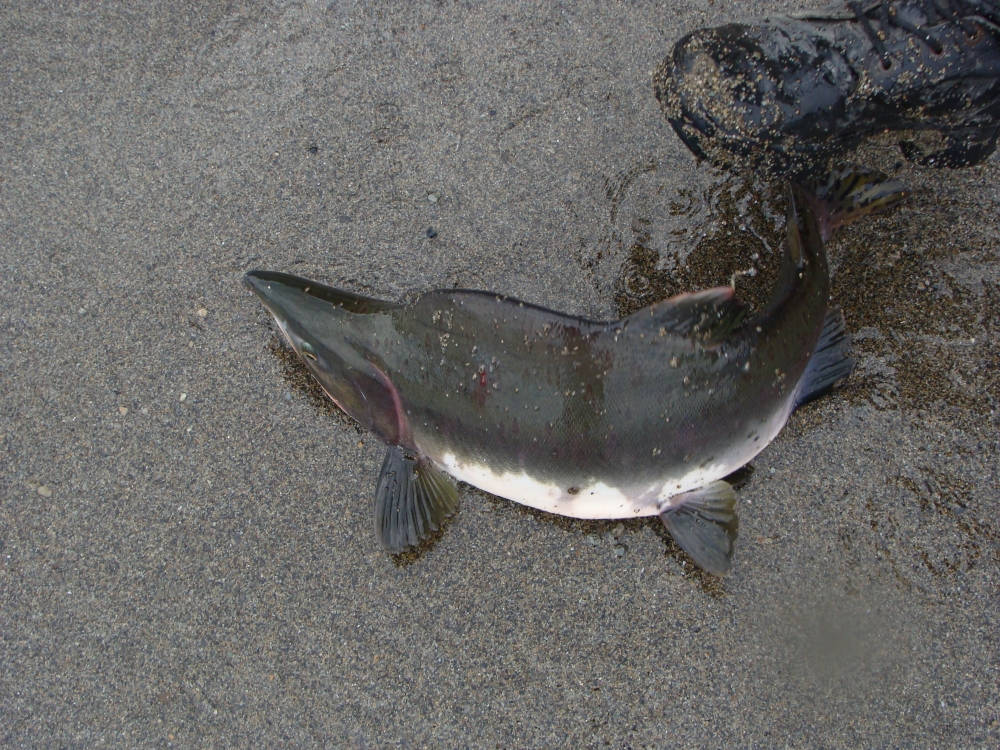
{"points": [[709, 315]]}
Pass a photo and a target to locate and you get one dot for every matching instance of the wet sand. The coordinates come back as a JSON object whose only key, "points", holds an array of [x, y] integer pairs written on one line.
{"points": [[186, 547]]}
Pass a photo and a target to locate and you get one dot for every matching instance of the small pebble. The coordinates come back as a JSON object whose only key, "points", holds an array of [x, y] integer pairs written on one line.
{"points": [[145, 410], [184, 397], [593, 540], [202, 312], [431, 232], [123, 410], [432, 197], [618, 531], [44, 491], [620, 550]]}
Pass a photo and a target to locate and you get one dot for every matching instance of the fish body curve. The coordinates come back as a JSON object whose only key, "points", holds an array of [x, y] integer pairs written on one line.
{"points": [[589, 419]]}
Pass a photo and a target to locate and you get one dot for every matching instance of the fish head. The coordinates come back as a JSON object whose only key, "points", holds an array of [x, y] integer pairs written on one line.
{"points": [[331, 331]]}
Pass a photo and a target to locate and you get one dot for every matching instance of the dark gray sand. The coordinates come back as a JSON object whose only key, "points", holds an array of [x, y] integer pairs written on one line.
{"points": [[186, 547]]}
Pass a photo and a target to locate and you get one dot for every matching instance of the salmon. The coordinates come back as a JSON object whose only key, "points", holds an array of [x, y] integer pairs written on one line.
{"points": [[590, 419]]}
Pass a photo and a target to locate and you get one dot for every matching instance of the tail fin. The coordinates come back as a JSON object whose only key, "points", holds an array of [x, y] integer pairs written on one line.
{"points": [[854, 192]]}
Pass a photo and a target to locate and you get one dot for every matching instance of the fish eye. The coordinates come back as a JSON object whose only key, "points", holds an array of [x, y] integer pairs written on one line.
{"points": [[307, 350]]}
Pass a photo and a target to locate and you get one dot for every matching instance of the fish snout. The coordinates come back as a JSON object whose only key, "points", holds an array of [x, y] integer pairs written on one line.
{"points": [[269, 287], [280, 299], [318, 332]]}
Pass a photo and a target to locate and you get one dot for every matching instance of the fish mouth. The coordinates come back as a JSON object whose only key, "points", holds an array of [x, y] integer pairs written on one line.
{"points": [[268, 286], [283, 296], [316, 321]]}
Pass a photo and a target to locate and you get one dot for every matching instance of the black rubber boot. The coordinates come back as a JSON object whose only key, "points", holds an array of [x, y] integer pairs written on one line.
{"points": [[790, 93]]}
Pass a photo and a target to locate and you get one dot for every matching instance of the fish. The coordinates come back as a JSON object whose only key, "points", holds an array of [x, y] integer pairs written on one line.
{"points": [[642, 416]]}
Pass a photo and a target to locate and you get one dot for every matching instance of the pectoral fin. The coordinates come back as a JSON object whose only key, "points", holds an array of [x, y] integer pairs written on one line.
{"points": [[705, 525], [412, 499]]}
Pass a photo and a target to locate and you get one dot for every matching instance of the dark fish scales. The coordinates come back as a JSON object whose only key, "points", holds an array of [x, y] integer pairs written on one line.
{"points": [[637, 417]]}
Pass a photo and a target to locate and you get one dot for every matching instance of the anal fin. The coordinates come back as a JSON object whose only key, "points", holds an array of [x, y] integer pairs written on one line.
{"points": [[705, 525], [830, 362], [412, 499]]}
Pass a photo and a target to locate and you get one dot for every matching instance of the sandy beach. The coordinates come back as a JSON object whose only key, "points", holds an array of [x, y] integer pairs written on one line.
{"points": [[186, 547]]}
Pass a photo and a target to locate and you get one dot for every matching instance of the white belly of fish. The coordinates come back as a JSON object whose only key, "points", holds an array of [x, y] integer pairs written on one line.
{"points": [[593, 499]]}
